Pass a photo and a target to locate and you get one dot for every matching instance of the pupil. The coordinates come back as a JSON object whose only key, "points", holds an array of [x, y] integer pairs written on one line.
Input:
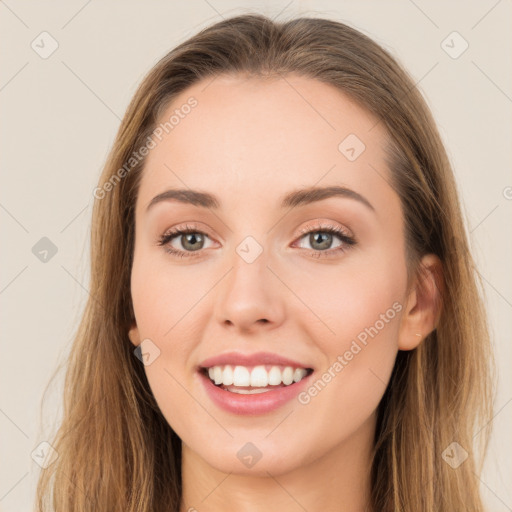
{"points": [[192, 238], [325, 237]]}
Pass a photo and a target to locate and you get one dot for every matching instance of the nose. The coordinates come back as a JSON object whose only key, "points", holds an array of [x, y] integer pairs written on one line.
{"points": [[250, 296]]}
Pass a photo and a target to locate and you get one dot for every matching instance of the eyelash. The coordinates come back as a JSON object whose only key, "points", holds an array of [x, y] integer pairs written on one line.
{"points": [[348, 241]]}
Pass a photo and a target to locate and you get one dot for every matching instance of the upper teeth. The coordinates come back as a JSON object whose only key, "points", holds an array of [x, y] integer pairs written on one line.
{"points": [[258, 376]]}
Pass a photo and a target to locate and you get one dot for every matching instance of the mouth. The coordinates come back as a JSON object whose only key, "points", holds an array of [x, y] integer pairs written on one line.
{"points": [[250, 380]]}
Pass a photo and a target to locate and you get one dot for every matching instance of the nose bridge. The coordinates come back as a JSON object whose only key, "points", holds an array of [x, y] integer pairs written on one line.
{"points": [[249, 293]]}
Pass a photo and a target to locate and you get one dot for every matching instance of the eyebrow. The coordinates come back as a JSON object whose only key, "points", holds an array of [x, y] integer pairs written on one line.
{"points": [[291, 200]]}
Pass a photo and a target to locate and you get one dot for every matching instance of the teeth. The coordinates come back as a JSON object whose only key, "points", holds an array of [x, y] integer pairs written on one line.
{"points": [[217, 374], [241, 376], [257, 376], [298, 374], [227, 376], [288, 375], [275, 376]]}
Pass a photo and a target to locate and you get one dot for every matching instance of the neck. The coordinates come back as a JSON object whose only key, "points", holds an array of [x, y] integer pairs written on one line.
{"points": [[337, 480]]}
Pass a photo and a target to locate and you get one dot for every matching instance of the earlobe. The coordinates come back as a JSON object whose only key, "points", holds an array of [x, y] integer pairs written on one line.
{"points": [[424, 303], [134, 335]]}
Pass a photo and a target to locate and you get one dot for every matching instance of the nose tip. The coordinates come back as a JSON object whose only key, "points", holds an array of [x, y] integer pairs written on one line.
{"points": [[248, 299]]}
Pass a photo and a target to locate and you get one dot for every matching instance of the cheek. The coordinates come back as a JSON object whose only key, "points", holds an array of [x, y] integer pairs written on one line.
{"points": [[360, 310], [166, 309], [361, 298], [164, 294]]}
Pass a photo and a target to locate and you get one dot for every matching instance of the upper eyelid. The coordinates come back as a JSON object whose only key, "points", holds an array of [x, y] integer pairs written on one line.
{"points": [[325, 226], [175, 232], [319, 225]]}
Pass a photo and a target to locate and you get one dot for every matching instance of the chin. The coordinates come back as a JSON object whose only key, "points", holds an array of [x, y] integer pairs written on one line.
{"points": [[258, 458]]}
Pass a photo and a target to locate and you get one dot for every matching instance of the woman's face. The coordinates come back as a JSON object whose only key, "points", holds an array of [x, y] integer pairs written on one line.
{"points": [[253, 280]]}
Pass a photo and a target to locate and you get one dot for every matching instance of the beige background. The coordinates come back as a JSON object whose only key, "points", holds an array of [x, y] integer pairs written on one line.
{"points": [[59, 118]]}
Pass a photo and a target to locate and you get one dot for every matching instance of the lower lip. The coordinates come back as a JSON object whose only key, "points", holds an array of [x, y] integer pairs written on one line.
{"points": [[259, 403]]}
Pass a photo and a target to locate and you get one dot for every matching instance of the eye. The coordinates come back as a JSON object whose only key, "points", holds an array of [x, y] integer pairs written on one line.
{"points": [[190, 238], [319, 237]]}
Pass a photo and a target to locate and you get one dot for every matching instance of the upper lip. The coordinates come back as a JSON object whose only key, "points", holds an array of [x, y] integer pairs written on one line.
{"points": [[257, 358]]}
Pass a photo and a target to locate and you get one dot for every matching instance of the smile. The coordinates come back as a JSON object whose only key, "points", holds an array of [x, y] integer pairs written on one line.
{"points": [[253, 390], [249, 380]]}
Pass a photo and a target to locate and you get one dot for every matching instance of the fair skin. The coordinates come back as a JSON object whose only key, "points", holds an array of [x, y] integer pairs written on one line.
{"points": [[249, 142]]}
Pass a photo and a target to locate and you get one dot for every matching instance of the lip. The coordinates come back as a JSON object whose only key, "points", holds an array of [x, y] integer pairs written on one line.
{"points": [[259, 403], [255, 359]]}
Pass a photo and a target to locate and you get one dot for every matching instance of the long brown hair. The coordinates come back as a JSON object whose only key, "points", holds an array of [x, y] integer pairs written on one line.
{"points": [[117, 451]]}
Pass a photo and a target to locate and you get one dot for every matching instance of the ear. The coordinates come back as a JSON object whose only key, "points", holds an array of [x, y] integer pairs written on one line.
{"points": [[424, 304], [134, 335]]}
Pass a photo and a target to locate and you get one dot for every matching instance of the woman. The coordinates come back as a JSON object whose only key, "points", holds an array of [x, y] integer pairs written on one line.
{"points": [[284, 312]]}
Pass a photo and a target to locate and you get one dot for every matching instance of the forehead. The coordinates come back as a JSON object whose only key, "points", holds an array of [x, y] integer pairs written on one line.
{"points": [[262, 137]]}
